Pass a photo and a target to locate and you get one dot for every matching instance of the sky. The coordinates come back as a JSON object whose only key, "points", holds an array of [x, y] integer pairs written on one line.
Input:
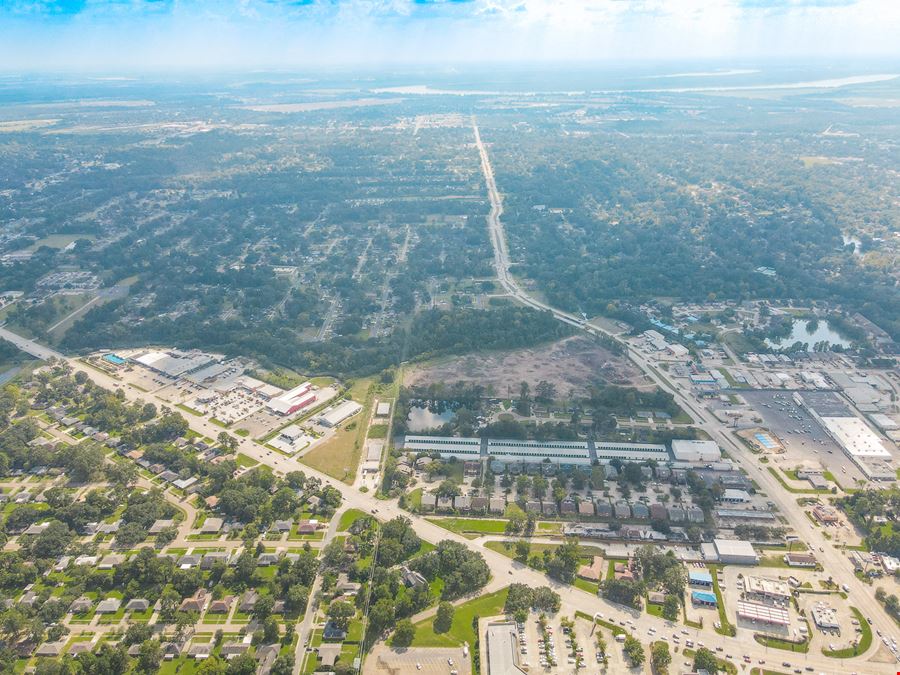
{"points": [[167, 35]]}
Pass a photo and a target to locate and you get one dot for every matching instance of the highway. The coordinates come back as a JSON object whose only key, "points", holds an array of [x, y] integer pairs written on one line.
{"points": [[832, 559]]}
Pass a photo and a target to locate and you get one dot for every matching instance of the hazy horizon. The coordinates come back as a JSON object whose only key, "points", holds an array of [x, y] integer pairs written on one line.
{"points": [[240, 35]]}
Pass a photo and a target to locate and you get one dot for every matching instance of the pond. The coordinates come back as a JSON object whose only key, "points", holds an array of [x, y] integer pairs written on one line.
{"points": [[810, 332], [421, 418]]}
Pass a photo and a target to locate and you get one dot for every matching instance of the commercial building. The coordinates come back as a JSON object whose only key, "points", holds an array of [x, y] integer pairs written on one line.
{"points": [[825, 616], [566, 452], [540, 456], [174, 363], [696, 451], [769, 589], [702, 579], [445, 446], [732, 496], [800, 560], [855, 437], [293, 400], [502, 648], [758, 613], [735, 552], [338, 413], [630, 452], [704, 599]]}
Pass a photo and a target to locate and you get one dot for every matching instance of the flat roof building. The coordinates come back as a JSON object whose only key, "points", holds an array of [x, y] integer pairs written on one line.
{"points": [[759, 613], [445, 446], [855, 437], [735, 552], [696, 451], [771, 589], [338, 413], [568, 452], [502, 647]]}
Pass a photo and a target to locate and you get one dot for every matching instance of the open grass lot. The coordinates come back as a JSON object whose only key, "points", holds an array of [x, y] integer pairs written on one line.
{"points": [[339, 456], [470, 525], [461, 631], [348, 518], [584, 551]]}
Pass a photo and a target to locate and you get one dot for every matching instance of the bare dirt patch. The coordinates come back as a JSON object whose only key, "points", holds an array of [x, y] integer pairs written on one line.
{"points": [[573, 363]]}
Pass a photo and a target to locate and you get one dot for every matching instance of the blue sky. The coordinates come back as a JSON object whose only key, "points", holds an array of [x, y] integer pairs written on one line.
{"points": [[229, 34]]}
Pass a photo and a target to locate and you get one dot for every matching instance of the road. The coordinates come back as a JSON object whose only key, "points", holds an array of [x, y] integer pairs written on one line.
{"points": [[832, 559], [573, 598], [502, 567]]}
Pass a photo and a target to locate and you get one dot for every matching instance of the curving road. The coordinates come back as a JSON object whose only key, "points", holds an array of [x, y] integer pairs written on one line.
{"points": [[832, 559]]}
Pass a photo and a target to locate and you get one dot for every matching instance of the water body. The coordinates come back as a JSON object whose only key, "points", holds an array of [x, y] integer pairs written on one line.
{"points": [[802, 331], [421, 418]]}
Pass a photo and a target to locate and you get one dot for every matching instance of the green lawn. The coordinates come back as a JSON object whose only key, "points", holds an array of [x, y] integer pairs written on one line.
{"points": [[348, 518], [461, 631], [591, 587], [778, 643], [864, 643], [725, 626], [470, 525]]}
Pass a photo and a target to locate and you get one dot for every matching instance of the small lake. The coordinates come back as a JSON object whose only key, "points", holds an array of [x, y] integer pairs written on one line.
{"points": [[800, 332], [421, 418]]}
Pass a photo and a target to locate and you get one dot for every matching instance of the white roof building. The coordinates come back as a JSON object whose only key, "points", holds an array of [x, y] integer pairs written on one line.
{"points": [[338, 413], [855, 437], [696, 451], [735, 551]]}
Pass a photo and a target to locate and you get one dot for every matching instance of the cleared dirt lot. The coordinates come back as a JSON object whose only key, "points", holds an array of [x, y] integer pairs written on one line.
{"points": [[572, 363]]}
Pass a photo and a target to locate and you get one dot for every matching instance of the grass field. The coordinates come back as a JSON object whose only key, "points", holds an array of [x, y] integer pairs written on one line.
{"points": [[470, 525], [461, 630], [339, 456], [348, 518]]}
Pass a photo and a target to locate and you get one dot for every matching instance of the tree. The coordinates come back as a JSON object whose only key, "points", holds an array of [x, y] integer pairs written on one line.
{"points": [[523, 405], [443, 620], [404, 633], [263, 607], [270, 630], [284, 665], [515, 523], [244, 664], [634, 650], [523, 548], [340, 613], [660, 656], [150, 656], [671, 608], [706, 660], [213, 666], [565, 561], [546, 600]]}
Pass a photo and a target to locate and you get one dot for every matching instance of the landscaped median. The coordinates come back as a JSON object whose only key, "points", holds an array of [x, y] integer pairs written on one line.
{"points": [[781, 643], [865, 640], [725, 626]]}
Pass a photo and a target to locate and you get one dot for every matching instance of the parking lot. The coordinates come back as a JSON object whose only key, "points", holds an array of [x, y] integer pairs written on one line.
{"points": [[803, 438]]}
